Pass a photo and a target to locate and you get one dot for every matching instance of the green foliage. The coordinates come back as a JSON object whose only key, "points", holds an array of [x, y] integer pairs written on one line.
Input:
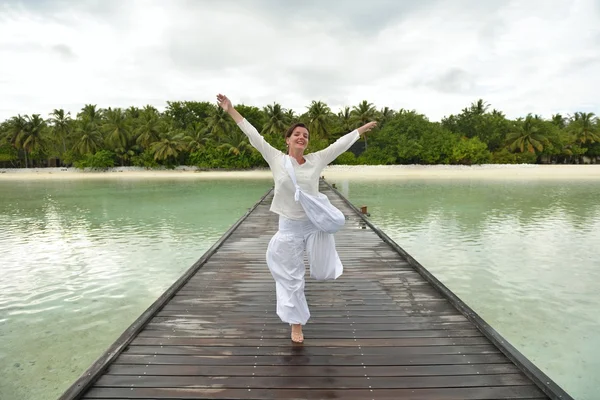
{"points": [[254, 115], [200, 133], [470, 151], [347, 158], [503, 156], [408, 151], [8, 153], [316, 144], [377, 156], [183, 114], [594, 150], [145, 159], [318, 121], [116, 128], [276, 120], [70, 157], [362, 114], [168, 147], [215, 156], [236, 143], [257, 160], [220, 124], [102, 159], [528, 135], [37, 156], [276, 140], [208, 158], [525, 158], [476, 121], [437, 145], [584, 128]]}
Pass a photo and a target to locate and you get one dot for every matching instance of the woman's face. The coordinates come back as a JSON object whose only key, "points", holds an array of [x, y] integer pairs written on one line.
{"points": [[298, 140]]}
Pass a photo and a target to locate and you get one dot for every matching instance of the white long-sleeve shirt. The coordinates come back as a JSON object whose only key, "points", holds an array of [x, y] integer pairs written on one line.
{"points": [[307, 174]]}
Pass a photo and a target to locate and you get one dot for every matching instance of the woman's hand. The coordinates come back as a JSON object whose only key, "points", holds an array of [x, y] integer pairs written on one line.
{"points": [[224, 102], [367, 127]]}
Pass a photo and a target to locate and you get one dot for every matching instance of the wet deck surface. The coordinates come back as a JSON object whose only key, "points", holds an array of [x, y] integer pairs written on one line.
{"points": [[380, 331]]}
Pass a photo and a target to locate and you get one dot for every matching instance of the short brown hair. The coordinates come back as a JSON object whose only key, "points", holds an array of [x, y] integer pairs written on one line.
{"points": [[290, 130]]}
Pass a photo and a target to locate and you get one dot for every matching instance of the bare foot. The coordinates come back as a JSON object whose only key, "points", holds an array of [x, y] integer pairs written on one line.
{"points": [[297, 336]]}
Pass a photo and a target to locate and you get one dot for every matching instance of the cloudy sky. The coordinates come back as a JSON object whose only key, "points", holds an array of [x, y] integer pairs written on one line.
{"points": [[434, 56]]}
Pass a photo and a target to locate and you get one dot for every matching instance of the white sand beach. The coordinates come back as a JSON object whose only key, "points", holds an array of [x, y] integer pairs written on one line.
{"points": [[368, 172], [487, 171]]}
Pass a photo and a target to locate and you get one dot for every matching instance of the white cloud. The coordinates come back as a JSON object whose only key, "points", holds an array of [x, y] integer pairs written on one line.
{"points": [[433, 56]]}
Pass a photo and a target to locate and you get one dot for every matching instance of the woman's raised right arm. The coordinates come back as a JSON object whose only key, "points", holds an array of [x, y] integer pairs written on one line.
{"points": [[256, 140]]}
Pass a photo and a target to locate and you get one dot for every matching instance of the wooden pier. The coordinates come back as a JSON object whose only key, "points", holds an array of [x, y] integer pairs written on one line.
{"points": [[386, 329]]}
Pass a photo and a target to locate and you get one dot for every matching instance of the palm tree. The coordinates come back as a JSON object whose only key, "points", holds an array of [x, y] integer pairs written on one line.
{"points": [[124, 154], [148, 129], [196, 137], [168, 146], [290, 116], [61, 125], [89, 135], [497, 113], [4, 132], [362, 114], [318, 119], [343, 124], [219, 123], [116, 128], [345, 119], [91, 112], [582, 128], [558, 120], [15, 129], [132, 112], [236, 143], [385, 115], [17, 134], [277, 120], [528, 136], [25, 133], [479, 107]]}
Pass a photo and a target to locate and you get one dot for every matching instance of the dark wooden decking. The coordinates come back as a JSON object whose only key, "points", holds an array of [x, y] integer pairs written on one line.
{"points": [[385, 329]]}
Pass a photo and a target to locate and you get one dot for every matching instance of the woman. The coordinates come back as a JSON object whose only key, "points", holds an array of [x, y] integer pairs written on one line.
{"points": [[296, 234]]}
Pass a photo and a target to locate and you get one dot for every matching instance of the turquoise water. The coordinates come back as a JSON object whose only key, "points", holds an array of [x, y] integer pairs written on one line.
{"points": [[80, 260]]}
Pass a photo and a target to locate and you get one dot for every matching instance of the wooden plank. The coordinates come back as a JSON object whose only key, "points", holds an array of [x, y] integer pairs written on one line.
{"points": [[308, 351], [233, 342], [313, 370], [420, 359], [416, 310], [475, 393], [435, 307], [314, 329], [332, 319], [231, 333], [311, 382]]}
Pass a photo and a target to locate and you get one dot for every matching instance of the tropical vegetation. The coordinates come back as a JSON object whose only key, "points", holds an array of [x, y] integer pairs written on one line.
{"points": [[201, 134]]}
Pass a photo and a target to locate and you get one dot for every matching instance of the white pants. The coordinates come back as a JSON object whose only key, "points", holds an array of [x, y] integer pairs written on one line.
{"points": [[285, 259]]}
